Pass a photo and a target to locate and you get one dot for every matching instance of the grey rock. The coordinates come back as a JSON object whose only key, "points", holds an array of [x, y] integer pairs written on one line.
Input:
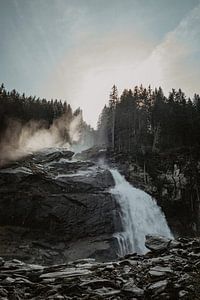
{"points": [[84, 261], [183, 294], [165, 270], [131, 289], [1, 261], [3, 292], [157, 243], [8, 280], [174, 244], [156, 274], [158, 287], [98, 283], [184, 278], [106, 292], [69, 272]]}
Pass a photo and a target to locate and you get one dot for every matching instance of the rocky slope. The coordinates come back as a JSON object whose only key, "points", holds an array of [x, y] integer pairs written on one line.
{"points": [[54, 208], [171, 270]]}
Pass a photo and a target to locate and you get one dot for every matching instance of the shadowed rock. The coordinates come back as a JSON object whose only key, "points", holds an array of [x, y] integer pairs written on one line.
{"points": [[56, 200]]}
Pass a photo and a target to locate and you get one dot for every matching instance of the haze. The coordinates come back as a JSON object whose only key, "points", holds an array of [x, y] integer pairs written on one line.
{"points": [[77, 49]]}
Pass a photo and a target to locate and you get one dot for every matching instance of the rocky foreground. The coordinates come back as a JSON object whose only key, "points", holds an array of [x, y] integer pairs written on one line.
{"points": [[170, 270]]}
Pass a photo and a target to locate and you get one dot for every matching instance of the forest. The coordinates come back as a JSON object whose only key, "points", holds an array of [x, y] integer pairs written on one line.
{"points": [[145, 120], [141, 120], [19, 111]]}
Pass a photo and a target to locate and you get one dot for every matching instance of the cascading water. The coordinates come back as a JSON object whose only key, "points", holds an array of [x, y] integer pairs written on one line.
{"points": [[140, 215]]}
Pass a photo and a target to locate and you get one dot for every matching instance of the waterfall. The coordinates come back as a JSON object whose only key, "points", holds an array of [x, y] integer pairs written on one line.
{"points": [[140, 215]]}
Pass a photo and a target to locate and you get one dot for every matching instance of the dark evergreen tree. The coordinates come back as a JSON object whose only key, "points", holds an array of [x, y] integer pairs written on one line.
{"points": [[144, 120]]}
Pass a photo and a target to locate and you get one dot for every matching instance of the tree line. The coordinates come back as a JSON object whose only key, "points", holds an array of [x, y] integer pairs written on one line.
{"points": [[144, 119], [22, 108]]}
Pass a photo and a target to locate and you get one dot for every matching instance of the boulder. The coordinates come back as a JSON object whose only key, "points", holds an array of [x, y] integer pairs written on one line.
{"points": [[157, 243], [158, 287]]}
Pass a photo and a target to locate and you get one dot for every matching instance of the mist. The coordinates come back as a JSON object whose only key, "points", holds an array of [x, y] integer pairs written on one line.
{"points": [[20, 140]]}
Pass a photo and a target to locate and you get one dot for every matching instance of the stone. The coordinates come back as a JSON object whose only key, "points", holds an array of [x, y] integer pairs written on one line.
{"points": [[158, 287], [165, 270], [184, 278], [132, 290], [106, 292], [157, 243], [97, 283], [174, 244], [183, 294], [89, 279], [1, 261], [69, 272], [197, 264], [3, 292], [156, 274], [8, 280], [84, 261]]}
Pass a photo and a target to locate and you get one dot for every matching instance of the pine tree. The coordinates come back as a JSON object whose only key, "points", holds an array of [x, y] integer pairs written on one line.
{"points": [[113, 100]]}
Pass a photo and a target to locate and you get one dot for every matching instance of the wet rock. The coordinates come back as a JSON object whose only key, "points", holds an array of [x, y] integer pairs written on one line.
{"points": [[157, 243]]}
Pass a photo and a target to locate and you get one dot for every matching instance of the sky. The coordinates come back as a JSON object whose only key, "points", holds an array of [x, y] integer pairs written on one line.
{"points": [[75, 50]]}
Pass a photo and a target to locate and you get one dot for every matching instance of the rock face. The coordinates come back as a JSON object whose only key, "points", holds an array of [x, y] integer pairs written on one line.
{"points": [[95, 153], [53, 202], [172, 274], [172, 178]]}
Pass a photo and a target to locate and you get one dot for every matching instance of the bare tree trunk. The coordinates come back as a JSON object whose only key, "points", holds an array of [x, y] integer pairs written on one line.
{"points": [[198, 208], [113, 129], [156, 138], [145, 181]]}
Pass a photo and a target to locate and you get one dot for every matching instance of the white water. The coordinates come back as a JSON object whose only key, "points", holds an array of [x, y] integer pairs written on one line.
{"points": [[140, 215]]}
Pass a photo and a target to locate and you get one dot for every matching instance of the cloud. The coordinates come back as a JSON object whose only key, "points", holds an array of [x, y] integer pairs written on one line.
{"points": [[20, 140], [86, 74], [179, 55]]}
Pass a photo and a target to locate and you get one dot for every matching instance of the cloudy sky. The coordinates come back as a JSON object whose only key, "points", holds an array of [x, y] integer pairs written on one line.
{"points": [[77, 49]]}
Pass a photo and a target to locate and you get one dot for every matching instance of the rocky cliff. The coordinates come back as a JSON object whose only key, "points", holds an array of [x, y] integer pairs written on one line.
{"points": [[54, 208]]}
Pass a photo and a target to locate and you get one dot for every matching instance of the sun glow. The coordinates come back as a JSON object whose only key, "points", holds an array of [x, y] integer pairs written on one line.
{"points": [[85, 77], [97, 82]]}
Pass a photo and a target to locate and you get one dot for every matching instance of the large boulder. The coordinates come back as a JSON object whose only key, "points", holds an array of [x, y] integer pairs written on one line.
{"points": [[157, 243]]}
